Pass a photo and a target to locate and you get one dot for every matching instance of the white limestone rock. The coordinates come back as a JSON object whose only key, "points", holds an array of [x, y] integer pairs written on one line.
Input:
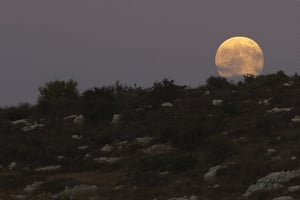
{"points": [[217, 102], [288, 84], [70, 117], [107, 148], [48, 168], [158, 149], [292, 189], [273, 181], [144, 140], [276, 110], [60, 157], [78, 120], [83, 147], [167, 105], [78, 191], [192, 197], [296, 119], [210, 176], [12, 165], [33, 187], [109, 160], [207, 92], [116, 119], [264, 101], [76, 137], [284, 198], [20, 122]]}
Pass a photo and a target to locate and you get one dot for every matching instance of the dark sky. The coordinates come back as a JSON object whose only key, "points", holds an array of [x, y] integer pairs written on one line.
{"points": [[97, 42]]}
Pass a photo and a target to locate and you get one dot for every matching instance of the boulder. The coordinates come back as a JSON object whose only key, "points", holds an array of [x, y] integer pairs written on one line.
{"points": [[77, 192], [33, 187], [167, 105], [78, 120], [48, 168], [116, 119], [210, 176], [296, 118], [217, 102], [107, 148], [271, 182], [284, 198], [12, 165]]}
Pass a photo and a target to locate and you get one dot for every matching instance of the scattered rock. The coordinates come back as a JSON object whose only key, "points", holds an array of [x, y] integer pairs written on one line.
{"points": [[116, 119], [118, 187], [264, 101], [206, 93], [276, 110], [31, 127], [20, 122], [76, 137], [295, 188], [217, 102], [70, 117], [193, 197], [48, 168], [60, 157], [12, 165], [163, 173], [158, 149], [110, 160], [33, 187], [144, 140], [167, 105], [284, 198], [87, 156], [19, 197], [78, 191], [272, 181], [210, 176], [83, 147], [293, 158], [271, 152], [296, 118], [78, 120], [288, 84], [107, 148]]}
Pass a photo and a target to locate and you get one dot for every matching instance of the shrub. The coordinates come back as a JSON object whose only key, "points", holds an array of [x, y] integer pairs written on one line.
{"points": [[58, 96], [164, 90], [23, 110], [98, 103], [217, 82]]}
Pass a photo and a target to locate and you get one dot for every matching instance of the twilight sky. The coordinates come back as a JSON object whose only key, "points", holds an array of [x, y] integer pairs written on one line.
{"points": [[97, 42]]}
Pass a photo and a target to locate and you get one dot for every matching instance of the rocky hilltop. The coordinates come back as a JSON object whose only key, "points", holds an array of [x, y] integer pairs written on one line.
{"points": [[219, 141]]}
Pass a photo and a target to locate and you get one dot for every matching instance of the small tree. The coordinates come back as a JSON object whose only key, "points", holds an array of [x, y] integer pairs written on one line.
{"points": [[164, 90], [217, 82], [98, 103], [58, 95]]}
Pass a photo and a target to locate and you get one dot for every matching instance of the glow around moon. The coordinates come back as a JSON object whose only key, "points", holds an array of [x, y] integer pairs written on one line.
{"points": [[239, 56]]}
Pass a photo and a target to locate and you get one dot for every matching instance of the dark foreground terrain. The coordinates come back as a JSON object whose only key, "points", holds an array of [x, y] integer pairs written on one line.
{"points": [[151, 150]]}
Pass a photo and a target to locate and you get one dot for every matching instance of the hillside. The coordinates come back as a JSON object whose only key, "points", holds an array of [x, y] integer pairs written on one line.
{"points": [[207, 143]]}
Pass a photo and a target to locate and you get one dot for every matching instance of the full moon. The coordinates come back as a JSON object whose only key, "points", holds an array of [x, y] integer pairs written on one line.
{"points": [[238, 56]]}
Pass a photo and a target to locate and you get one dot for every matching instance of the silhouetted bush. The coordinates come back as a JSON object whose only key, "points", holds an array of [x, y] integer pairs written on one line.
{"points": [[98, 103], [217, 82], [266, 80], [21, 111], [58, 96], [165, 90]]}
